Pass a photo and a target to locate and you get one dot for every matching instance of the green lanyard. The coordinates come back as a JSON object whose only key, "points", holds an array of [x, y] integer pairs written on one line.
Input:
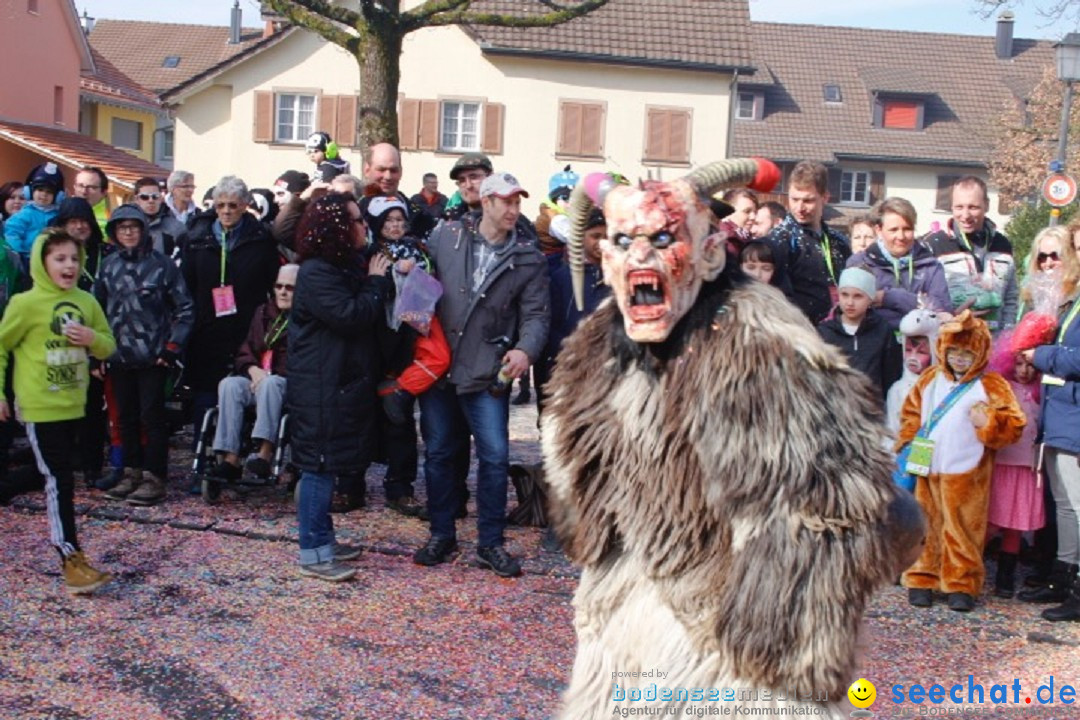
{"points": [[224, 254], [963, 237], [827, 247], [910, 270], [280, 323], [1069, 318], [97, 268]]}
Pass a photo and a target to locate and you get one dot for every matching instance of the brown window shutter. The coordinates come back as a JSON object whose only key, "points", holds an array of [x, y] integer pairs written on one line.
{"points": [[408, 123], [569, 128], [656, 134], [492, 139], [679, 136], [877, 187], [428, 132], [328, 114], [345, 128], [943, 200], [592, 130], [264, 117]]}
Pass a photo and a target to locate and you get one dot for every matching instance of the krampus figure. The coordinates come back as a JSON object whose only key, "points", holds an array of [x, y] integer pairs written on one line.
{"points": [[716, 470]]}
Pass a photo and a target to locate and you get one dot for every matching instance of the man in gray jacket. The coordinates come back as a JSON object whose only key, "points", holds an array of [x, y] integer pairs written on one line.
{"points": [[495, 313]]}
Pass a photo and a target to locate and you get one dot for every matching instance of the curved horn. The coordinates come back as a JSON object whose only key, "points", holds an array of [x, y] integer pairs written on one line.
{"points": [[756, 173], [580, 207]]}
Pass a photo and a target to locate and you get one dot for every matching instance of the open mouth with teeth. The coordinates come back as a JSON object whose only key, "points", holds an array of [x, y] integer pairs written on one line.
{"points": [[648, 295]]}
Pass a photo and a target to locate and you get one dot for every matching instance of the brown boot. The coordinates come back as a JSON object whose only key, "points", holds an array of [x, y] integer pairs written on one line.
{"points": [[80, 578], [133, 478], [150, 492]]}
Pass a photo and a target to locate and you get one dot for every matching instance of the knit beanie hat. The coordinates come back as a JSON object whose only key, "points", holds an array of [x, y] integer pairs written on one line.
{"points": [[858, 279], [294, 181]]}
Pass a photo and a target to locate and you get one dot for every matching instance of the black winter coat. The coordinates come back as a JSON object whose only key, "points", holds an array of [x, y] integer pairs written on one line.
{"points": [[333, 365], [872, 349], [251, 267]]}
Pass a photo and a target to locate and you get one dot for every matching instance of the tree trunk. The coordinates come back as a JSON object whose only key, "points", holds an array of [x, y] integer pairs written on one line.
{"points": [[378, 54]]}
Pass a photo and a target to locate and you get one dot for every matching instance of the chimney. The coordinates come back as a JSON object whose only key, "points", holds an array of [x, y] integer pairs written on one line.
{"points": [[1003, 44], [234, 25]]}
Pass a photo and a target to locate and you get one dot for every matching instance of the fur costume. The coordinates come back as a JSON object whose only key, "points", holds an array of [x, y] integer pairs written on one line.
{"points": [[956, 494], [723, 487]]}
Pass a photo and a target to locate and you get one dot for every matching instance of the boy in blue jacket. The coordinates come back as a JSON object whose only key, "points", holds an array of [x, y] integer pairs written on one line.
{"points": [[46, 187]]}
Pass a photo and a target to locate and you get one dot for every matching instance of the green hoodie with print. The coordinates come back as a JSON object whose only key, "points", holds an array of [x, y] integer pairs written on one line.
{"points": [[51, 374]]}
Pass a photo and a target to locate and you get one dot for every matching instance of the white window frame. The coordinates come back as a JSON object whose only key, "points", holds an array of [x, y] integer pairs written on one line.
{"points": [[128, 126], [755, 99], [452, 118], [291, 128], [849, 187]]}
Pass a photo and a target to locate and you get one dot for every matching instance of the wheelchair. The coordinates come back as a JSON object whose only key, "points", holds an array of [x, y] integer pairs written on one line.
{"points": [[281, 469]]}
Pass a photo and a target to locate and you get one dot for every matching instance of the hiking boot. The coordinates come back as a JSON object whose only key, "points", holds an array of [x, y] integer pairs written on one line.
{"points": [[150, 492], [961, 602], [79, 577], [498, 561], [331, 571], [110, 479], [1057, 587], [435, 552], [259, 467], [130, 482], [1069, 610], [346, 552], [407, 506], [1005, 580], [920, 597]]}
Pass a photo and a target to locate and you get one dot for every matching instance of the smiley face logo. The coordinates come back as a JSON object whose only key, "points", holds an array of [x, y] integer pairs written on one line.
{"points": [[862, 693]]}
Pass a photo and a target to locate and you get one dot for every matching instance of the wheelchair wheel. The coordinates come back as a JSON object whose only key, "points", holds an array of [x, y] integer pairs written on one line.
{"points": [[211, 491]]}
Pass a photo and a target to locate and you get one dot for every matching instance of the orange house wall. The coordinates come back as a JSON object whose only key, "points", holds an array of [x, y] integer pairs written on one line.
{"points": [[38, 53]]}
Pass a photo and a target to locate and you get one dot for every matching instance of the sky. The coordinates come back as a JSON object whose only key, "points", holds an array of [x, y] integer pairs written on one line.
{"points": [[948, 16]]}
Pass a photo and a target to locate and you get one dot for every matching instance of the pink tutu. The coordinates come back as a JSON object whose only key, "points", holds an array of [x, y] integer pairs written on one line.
{"points": [[1015, 502]]}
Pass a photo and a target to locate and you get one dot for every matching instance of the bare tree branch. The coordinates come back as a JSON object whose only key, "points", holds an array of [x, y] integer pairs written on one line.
{"points": [[321, 8], [418, 16], [557, 17]]}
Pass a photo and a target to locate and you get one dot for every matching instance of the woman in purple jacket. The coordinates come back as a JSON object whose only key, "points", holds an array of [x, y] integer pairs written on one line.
{"points": [[904, 269]]}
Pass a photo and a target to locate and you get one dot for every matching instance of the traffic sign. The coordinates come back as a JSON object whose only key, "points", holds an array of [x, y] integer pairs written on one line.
{"points": [[1059, 189]]}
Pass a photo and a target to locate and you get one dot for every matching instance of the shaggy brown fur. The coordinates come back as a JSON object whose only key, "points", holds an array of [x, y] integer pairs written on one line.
{"points": [[728, 497]]}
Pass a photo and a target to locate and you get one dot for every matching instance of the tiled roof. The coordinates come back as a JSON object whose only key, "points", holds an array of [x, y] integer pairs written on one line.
{"points": [[78, 151], [139, 49], [965, 85], [109, 84], [678, 33]]}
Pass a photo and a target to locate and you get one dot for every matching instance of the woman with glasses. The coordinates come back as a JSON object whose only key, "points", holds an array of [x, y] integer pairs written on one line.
{"points": [[229, 262]]}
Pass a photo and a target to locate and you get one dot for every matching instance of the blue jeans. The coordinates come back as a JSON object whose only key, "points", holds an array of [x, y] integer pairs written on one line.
{"points": [[313, 515], [446, 421]]}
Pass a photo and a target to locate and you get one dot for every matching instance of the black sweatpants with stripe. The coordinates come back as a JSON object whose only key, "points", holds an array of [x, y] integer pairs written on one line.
{"points": [[53, 447]]}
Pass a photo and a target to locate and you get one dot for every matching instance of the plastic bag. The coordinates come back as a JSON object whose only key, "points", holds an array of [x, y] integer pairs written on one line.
{"points": [[415, 301]]}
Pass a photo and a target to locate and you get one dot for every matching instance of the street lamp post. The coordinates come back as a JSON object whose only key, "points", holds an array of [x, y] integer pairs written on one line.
{"points": [[1067, 53]]}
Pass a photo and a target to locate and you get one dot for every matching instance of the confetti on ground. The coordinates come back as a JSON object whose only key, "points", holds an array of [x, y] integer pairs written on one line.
{"points": [[208, 619]]}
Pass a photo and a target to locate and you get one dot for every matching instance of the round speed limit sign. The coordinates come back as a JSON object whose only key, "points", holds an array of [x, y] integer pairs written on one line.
{"points": [[1059, 189]]}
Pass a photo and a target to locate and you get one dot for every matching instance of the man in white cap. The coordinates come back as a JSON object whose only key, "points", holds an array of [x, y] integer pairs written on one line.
{"points": [[495, 313]]}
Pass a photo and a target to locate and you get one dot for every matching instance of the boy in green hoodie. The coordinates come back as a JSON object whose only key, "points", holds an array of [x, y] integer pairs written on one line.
{"points": [[49, 329]]}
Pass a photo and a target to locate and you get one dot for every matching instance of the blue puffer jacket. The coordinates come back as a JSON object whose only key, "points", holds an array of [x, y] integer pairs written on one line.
{"points": [[22, 228], [1059, 422]]}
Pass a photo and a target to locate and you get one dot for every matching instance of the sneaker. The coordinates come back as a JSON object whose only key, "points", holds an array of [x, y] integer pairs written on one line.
{"points": [[407, 506], [346, 552], [435, 552], [132, 479], [498, 561], [961, 602], [150, 492], [920, 597], [110, 479], [331, 571], [259, 467], [79, 577]]}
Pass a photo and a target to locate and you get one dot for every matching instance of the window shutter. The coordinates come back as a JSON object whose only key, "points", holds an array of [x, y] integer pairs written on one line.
{"points": [[943, 200], [835, 175], [492, 139], [345, 127], [877, 187], [569, 128], [327, 114], [263, 130], [408, 124], [679, 136], [428, 125], [900, 114], [592, 130], [656, 132]]}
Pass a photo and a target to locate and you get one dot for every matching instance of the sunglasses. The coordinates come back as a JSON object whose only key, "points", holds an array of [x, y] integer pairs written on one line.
{"points": [[145, 197], [1043, 257], [230, 205], [284, 286]]}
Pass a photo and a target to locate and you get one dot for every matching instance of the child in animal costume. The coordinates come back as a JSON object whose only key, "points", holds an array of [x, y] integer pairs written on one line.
{"points": [[714, 467], [919, 329], [962, 414]]}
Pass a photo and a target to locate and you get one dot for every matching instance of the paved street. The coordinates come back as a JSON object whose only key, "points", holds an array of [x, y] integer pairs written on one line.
{"points": [[209, 620]]}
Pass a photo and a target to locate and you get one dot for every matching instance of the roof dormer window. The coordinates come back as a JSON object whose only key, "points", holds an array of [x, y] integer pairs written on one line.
{"points": [[832, 93], [899, 113]]}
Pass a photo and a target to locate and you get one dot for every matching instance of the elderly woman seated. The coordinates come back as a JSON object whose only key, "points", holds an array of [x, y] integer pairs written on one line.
{"points": [[259, 381]]}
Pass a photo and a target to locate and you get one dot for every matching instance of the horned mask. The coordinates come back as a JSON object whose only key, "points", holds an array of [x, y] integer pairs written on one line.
{"points": [[660, 247]]}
